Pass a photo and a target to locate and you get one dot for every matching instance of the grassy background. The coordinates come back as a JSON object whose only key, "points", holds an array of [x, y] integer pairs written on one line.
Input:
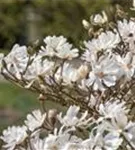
{"points": [[16, 102]]}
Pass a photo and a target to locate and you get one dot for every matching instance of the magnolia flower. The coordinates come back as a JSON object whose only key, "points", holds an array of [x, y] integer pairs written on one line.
{"points": [[103, 73], [86, 144], [38, 68], [74, 146], [14, 136], [37, 144], [105, 42], [99, 19], [101, 138], [117, 123], [110, 141], [71, 118], [112, 109], [60, 138], [126, 64], [17, 59], [127, 32], [89, 54], [58, 46], [67, 73], [130, 132], [35, 120]]}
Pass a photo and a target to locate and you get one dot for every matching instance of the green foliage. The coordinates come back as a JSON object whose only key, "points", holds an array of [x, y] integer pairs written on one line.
{"points": [[53, 17], [64, 17], [14, 97], [11, 17]]}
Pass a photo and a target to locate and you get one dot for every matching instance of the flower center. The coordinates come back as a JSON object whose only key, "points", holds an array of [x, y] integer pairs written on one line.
{"points": [[100, 74]]}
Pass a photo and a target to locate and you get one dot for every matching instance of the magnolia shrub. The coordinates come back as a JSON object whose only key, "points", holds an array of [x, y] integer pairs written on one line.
{"points": [[97, 84]]}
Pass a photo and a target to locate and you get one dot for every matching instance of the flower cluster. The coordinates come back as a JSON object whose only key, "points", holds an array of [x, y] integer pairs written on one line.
{"points": [[96, 83], [76, 130]]}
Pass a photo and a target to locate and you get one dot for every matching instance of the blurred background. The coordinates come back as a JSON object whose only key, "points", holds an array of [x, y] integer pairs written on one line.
{"points": [[25, 21]]}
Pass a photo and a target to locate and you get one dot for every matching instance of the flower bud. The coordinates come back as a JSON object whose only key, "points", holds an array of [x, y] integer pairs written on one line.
{"points": [[83, 71], [41, 97], [86, 24], [90, 32], [99, 19], [52, 114]]}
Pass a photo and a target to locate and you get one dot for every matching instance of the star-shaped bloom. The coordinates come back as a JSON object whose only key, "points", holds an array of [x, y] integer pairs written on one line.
{"points": [[111, 109], [14, 136], [71, 118], [105, 42], [60, 138], [103, 74], [35, 120], [59, 47], [126, 64], [38, 68], [67, 73], [17, 59], [127, 32]]}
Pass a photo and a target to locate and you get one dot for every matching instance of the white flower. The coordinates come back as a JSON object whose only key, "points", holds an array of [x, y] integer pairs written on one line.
{"points": [[58, 46], [70, 74], [35, 120], [130, 132], [71, 118], [117, 123], [67, 73], [110, 141], [17, 59], [74, 146], [103, 73], [102, 138], [37, 144], [89, 54], [106, 41], [38, 68], [127, 32], [14, 136], [60, 138], [126, 64], [114, 118], [112, 109], [99, 19]]}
